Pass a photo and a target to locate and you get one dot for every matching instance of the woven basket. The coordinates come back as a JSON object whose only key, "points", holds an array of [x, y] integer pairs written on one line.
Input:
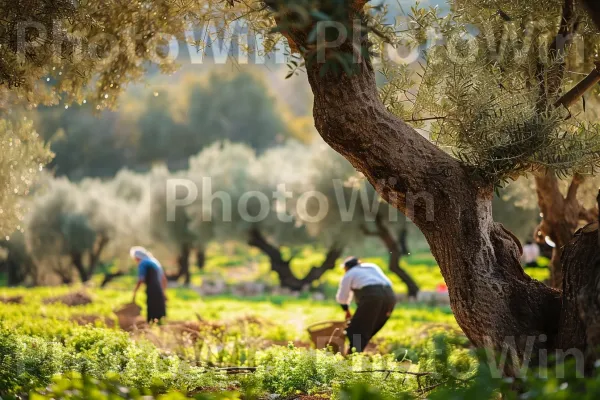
{"points": [[329, 334], [128, 315]]}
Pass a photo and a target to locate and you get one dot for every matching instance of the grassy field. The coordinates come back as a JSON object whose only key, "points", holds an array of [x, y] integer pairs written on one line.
{"points": [[185, 357]]}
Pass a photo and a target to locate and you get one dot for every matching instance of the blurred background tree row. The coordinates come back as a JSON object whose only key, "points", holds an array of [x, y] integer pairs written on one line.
{"points": [[166, 122]]}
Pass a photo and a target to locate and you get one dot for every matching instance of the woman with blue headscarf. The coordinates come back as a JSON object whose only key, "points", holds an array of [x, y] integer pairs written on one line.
{"points": [[151, 274]]}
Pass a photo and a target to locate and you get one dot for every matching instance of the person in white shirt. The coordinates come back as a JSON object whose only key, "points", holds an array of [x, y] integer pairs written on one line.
{"points": [[531, 252], [374, 296]]}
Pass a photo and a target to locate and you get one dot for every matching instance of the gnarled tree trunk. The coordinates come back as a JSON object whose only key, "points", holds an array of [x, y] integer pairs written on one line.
{"points": [[580, 316], [495, 303], [200, 258], [491, 296], [403, 241], [282, 268], [183, 265], [77, 259], [183, 261]]}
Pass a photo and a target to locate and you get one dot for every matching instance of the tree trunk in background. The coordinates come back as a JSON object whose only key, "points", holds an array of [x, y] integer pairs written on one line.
{"points": [[282, 268], [403, 240], [560, 218], [183, 262], [278, 264], [316, 273], [94, 256], [15, 275], [109, 277], [394, 249], [200, 258], [77, 260]]}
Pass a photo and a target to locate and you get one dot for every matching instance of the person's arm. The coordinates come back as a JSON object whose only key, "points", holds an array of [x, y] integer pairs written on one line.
{"points": [[141, 278], [344, 294], [137, 287]]}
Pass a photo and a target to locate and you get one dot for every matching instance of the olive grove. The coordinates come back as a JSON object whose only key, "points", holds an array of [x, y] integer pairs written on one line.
{"points": [[500, 117]]}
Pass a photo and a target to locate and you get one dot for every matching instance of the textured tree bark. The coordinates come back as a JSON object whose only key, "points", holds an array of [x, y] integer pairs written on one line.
{"points": [[561, 216], [580, 315], [495, 303], [491, 296]]}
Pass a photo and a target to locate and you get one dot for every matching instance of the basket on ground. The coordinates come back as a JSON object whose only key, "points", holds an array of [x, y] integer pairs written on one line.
{"points": [[128, 315], [328, 334]]}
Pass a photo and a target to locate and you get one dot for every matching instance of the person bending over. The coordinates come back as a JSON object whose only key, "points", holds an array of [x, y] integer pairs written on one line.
{"points": [[151, 274], [374, 296]]}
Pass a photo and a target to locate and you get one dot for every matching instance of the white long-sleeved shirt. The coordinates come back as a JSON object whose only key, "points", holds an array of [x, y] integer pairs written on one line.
{"points": [[531, 252], [356, 278]]}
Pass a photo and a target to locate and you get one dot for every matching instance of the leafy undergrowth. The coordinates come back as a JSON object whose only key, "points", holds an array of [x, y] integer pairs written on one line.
{"points": [[239, 350], [61, 351]]}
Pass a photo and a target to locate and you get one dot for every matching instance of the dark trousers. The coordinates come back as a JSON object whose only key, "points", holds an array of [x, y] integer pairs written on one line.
{"points": [[375, 306]]}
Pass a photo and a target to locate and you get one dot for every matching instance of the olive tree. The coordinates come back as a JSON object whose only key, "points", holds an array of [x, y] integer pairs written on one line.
{"points": [[74, 227], [245, 198], [491, 296], [71, 52]]}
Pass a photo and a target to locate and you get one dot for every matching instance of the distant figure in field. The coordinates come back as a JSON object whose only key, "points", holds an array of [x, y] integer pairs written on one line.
{"points": [[375, 299], [531, 252], [151, 274]]}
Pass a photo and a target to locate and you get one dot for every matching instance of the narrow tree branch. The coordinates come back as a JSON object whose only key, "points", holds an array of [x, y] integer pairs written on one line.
{"points": [[393, 371], [576, 182], [569, 98]]}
